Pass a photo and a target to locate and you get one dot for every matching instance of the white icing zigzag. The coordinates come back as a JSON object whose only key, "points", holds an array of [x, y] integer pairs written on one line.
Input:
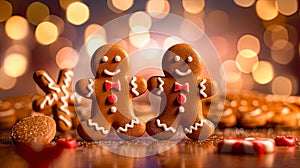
{"points": [[97, 128], [203, 88], [49, 100], [67, 122], [166, 128], [160, 86], [51, 83], [131, 125], [90, 88], [66, 83], [195, 128], [134, 87]]}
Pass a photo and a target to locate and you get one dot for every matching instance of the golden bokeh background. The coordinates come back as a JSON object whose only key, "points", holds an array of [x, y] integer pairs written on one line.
{"points": [[257, 40]]}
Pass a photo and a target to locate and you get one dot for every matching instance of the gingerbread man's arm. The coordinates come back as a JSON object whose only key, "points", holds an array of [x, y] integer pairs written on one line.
{"points": [[85, 88], [207, 88], [138, 85]]}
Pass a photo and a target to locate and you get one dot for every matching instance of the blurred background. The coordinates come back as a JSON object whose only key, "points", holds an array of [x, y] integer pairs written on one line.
{"points": [[257, 40]]}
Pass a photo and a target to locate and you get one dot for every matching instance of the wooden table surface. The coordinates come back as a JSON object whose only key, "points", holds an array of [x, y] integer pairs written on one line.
{"points": [[171, 153]]}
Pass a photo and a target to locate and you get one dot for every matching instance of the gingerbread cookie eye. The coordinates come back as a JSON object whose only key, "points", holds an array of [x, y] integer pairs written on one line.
{"points": [[177, 58], [104, 58], [118, 58], [189, 59]]}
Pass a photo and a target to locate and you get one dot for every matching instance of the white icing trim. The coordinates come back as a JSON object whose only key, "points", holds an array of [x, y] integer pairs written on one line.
{"points": [[131, 125], [227, 112], [203, 88], [255, 112], [178, 72], [67, 82], [7, 113], [285, 111], [97, 128], [166, 128], [107, 72], [90, 88], [134, 87], [49, 100], [160, 86], [113, 109], [51, 83], [195, 128], [181, 109], [67, 122]]}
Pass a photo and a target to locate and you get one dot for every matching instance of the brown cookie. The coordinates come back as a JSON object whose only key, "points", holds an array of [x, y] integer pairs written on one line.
{"points": [[8, 116], [181, 89], [111, 92], [57, 97], [36, 129]]}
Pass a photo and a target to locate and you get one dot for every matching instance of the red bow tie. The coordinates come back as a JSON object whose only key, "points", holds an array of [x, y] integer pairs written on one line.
{"points": [[112, 85], [184, 87]]}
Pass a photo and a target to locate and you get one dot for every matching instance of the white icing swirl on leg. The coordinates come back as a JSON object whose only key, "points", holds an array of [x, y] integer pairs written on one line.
{"points": [[66, 83], [90, 88], [203, 88], [166, 128], [51, 83], [97, 127], [134, 87], [49, 100], [160, 86], [131, 125], [195, 128]]}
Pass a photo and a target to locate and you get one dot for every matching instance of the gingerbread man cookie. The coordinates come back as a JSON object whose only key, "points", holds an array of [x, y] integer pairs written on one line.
{"points": [[111, 92], [184, 89], [57, 97]]}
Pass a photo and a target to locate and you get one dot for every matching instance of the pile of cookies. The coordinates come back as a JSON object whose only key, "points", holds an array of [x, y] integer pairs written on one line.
{"points": [[253, 110]]}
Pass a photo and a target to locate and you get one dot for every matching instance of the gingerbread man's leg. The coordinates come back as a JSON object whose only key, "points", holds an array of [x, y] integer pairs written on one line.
{"points": [[95, 128], [200, 130], [129, 129]]}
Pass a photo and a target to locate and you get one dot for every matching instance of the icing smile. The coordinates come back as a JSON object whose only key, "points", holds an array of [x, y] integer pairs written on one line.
{"points": [[109, 73], [178, 72]]}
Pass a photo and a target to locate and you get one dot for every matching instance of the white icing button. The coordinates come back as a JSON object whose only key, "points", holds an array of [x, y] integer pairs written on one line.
{"points": [[113, 109], [118, 58], [104, 58], [190, 59], [177, 58], [181, 109]]}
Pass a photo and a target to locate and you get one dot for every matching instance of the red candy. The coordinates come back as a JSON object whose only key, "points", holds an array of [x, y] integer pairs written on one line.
{"points": [[285, 141], [246, 146], [66, 143]]}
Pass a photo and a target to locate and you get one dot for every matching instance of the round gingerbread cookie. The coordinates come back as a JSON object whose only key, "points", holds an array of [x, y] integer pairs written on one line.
{"points": [[7, 115], [35, 129]]}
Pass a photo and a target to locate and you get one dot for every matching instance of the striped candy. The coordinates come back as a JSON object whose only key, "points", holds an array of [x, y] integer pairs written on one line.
{"points": [[246, 146]]}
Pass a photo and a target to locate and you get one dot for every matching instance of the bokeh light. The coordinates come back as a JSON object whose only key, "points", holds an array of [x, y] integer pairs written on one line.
{"points": [[77, 13], [122, 5], [65, 3], [58, 21], [96, 31], [170, 41], [217, 22], [264, 73], [6, 82], [282, 53], [244, 3], [66, 57], [46, 33], [266, 9], [139, 37], [250, 42], [231, 71], [158, 8], [190, 33], [140, 19], [5, 10], [287, 7], [282, 86], [193, 6], [274, 33], [61, 42], [15, 65], [247, 60], [17, 27], [221, 44], [37, 12]]}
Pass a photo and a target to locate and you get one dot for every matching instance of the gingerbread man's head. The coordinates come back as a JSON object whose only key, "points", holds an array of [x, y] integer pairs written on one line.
{"points": [[182, 60], [109, 61]]}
